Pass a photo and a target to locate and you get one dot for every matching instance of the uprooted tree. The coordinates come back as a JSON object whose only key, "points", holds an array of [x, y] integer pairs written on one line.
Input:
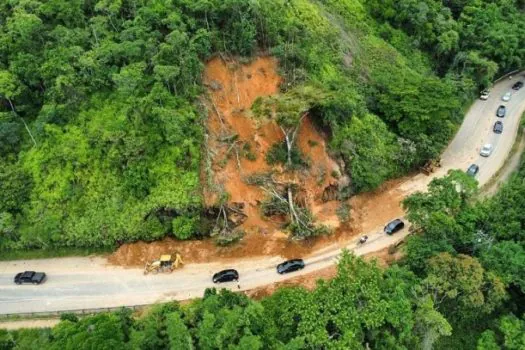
{"points": [[288, 110]]}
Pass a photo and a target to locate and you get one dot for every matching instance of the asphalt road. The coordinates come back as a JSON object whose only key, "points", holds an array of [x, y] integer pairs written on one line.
{"points": [[80, 283], [476, 131], [86, 283]]}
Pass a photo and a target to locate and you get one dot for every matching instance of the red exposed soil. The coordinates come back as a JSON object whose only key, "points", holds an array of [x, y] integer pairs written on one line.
{"points": [[232, 89]]}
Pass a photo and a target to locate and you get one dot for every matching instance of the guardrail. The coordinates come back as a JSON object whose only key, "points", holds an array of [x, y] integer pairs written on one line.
{"points": [[87, 311], [505, 76]]}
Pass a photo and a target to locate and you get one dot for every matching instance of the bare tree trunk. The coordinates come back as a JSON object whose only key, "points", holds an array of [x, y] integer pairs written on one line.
{"points": [[236, 89], [289, 145], [289, 151], [290, 204], [289, 136], [23, 121], [217, 112], [95, 35]]}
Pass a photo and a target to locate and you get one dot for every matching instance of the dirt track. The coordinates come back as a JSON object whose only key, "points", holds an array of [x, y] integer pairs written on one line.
{"points": [[80, 283], [30, 323]]}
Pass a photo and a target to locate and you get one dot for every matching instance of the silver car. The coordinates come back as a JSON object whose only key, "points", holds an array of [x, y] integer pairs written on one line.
{"points": [[486, 150], [506, 97]]}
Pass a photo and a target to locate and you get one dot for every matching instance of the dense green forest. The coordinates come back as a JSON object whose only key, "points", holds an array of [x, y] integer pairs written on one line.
{"points": [[101, 131], [101, 124], [460, 285]]}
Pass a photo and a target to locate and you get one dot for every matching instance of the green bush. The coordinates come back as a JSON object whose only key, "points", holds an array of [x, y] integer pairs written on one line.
{"points": [[278, 154], [185, 227]]}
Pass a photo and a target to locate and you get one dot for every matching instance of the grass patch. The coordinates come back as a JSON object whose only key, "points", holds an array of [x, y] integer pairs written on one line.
{"points": [[343, 212], [259, 179], [278, 154], [312, 143], [51, 253]]}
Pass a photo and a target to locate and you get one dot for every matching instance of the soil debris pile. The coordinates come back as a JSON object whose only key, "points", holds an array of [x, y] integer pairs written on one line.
{"points": [[242, 153]]}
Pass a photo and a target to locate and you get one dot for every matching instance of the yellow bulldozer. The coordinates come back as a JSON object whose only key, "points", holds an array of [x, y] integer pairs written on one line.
{"points": [[165, 264], [430, 166]]}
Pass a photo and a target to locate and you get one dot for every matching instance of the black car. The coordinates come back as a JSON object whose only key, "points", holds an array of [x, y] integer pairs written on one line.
{"points": [[501, 111], [394, 226], [30, 277], [518, 85], [498, 127], [290, 266], [226, 276], [473, 170]]}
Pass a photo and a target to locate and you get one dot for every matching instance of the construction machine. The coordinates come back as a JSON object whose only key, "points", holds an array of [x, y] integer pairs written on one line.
{"points": [[164, 264], [429, 167]]}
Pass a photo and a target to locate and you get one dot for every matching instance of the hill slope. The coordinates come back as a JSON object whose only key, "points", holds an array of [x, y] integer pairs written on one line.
{"points": [[101, 122]]}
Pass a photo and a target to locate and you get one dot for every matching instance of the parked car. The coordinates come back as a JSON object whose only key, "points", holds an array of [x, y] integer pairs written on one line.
{"points": [[363, 239], [394, 226], [506, 97], [484, 95], [486, 150], [472, 170], [30, 277], [290, 266], [498, 127], [226, 276], [502, 110], [518, 85]]}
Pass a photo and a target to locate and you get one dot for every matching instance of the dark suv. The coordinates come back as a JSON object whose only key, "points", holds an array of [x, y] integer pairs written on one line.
{"points": [[226, 276], [518, 85], [30, 277], [498, 127], [473, 170], [501, 111], [394, 226], [290, 266]]}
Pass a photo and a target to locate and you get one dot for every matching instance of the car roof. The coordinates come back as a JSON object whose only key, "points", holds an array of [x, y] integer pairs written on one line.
{"points": [[227, 271], [394, 222], [293, 261], [28, 273], [487, 145]]}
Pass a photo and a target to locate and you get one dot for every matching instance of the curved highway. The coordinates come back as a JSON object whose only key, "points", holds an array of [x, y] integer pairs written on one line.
{"points": [[88, 283]]}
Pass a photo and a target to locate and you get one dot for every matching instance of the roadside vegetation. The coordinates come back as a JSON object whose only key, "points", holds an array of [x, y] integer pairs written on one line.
{"points": [[460, 285]]}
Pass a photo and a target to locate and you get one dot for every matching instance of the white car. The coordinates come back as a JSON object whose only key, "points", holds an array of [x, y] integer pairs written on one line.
{"points": [[506, 97], [484, 95], [486, 150]]}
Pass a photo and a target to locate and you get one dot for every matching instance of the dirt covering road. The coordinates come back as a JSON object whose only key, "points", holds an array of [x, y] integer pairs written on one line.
{"points": [[82, 283], [86, 283]]}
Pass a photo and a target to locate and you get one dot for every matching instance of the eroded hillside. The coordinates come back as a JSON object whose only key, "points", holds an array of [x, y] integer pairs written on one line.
{"points": [[235, 174], [236, 168]]}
